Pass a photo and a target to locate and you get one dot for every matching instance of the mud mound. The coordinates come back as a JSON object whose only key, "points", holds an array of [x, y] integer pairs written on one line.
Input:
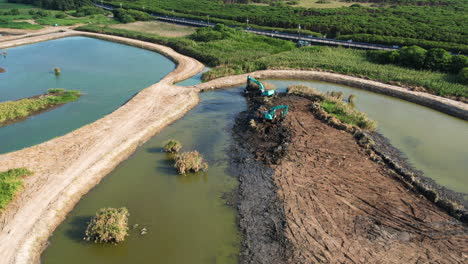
{"points": [[317, 197]]}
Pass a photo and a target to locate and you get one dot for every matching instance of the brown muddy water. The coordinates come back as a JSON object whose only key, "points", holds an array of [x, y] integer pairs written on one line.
{"points": [[187, 218]]}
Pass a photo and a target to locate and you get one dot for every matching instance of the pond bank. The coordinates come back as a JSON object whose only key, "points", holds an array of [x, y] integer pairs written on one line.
{"points": [[67, 167], [74, 163], [309, 193]]}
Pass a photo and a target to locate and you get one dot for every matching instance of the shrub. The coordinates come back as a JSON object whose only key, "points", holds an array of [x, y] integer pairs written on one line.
{"points": [[172, 146], [60, 15], [412, 56], [191, 161], [129, 15], [437, 60], [463, 75], [457, 63], [109, 225]]}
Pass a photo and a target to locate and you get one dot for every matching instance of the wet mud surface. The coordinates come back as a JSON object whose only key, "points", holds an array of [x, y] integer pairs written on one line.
{"points": [[309, 193]]}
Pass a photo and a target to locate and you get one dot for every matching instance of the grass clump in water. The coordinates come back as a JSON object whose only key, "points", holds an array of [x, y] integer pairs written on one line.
{"points": [[22, 108], [109, 225], [10, 184], [172, 146], [191, 161]]}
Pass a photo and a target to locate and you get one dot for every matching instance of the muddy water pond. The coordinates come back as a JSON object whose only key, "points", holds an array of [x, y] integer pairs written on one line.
{"points": [[186, 217], [106, 73], [433, 142]]}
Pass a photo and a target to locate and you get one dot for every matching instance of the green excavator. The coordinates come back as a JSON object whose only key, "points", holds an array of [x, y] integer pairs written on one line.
{"points": [[260, 86], [271, 114]]}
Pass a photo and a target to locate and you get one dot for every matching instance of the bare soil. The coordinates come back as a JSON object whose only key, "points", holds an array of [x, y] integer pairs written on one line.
{"points": [[315, 196], [157, 27]]}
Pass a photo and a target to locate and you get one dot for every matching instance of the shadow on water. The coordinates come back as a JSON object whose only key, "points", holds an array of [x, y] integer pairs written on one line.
{"points": [[77, 228]]}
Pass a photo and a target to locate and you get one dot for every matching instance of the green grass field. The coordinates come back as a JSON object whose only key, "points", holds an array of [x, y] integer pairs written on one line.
{"points": [[10, 184], [239, 52], [26, 20]]}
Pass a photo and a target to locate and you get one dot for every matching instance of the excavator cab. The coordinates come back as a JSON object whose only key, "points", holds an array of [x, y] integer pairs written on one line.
{"points": [[270, 115], [260, 86]]}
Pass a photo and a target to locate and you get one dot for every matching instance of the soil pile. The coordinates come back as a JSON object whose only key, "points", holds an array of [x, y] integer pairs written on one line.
{"points": [[319, 198]]}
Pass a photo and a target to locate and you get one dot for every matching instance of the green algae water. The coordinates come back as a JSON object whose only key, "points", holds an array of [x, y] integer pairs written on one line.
{"points": [[106, 73], [433, 142], [186, 217]]}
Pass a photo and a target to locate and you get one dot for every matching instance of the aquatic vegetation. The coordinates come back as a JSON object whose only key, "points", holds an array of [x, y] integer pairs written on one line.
{"points": [[191, 161], [109, 225], [172, 146], [10, 184], [346, 113], [12, 110], [332, 103], [57, 71]]}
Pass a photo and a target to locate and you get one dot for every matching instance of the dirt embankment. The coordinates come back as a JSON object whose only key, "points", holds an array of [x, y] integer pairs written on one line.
{"points": [[66, 167], [321, 199]]}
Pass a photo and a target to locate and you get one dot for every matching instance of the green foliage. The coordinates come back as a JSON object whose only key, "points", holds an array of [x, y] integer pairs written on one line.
{"points": [[191, 161], [434, 59], [172, 146], [10, 184], [109, 225], [332, 103], [437, 59], [457, 63], [346, 114], [439, 21], [128, 15], [60, 15], [11, 110], [243, 52], [87, 11], [55, 4], [413, 57], [356, 62], [463, 75]]}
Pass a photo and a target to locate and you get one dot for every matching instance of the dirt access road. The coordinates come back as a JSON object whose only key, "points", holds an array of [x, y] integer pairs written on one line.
{"points": [[67, 167], [330, 203]]}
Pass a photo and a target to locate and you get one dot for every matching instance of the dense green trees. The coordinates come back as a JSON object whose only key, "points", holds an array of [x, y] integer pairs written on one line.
{"points": [[418, 58], [445, 23], [463, 75], [55, 4]]}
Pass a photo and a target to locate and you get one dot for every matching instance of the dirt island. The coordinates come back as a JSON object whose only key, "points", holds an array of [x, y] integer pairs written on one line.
{"points": [[309, 193]]}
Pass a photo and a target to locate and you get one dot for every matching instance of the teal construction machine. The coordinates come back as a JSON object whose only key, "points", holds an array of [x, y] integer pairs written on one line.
{"points": [[260, 86], [271, 114]]}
